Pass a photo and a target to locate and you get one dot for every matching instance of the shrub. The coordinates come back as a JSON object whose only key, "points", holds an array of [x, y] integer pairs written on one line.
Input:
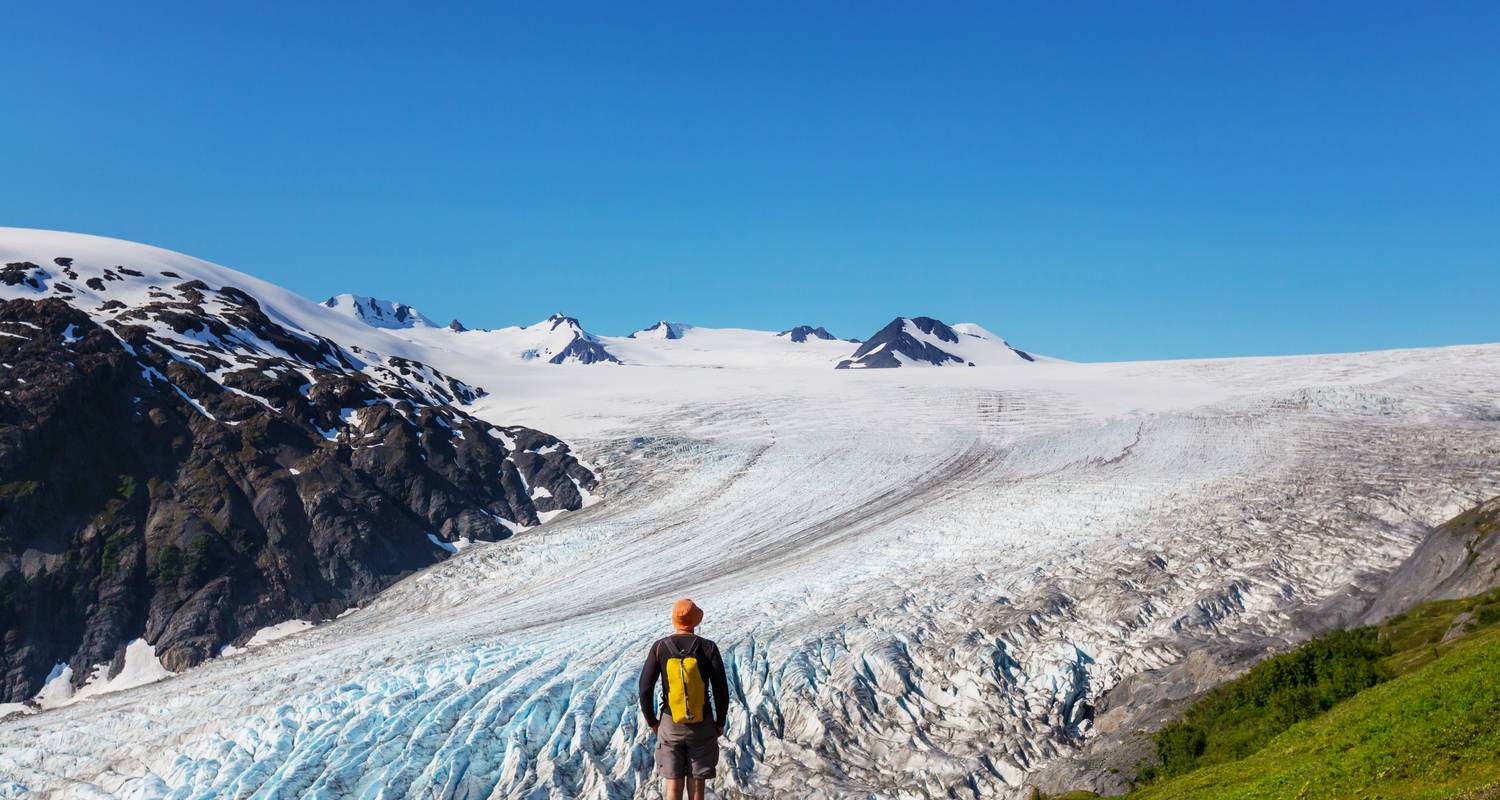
{"points": [[200, 558], [169, 563], [1239, 717]]}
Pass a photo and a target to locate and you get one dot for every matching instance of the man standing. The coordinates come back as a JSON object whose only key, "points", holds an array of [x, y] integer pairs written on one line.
{"points": [[687, 734]]}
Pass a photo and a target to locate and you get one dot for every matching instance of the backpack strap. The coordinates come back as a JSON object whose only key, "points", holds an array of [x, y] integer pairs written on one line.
{"points": [[678, 652]]}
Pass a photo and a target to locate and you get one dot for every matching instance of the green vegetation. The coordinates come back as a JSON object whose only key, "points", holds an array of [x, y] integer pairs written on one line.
{"points": [[113, 546], [16, 490], [1427, 734], [170, 563], [1406, 709], [200, 557], [1238, 718]]}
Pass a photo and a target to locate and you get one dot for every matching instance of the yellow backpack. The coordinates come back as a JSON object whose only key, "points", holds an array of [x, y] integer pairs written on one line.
{"points": [[684, 685]]}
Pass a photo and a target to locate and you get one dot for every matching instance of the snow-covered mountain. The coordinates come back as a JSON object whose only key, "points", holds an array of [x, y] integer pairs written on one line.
{"points": [[558, 339], [924, 341], [920, 579], [802, 333], [661, 330], [379, 313], [189, 456], [561, 339]]}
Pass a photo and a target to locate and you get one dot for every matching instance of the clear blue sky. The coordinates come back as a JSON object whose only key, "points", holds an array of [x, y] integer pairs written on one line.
{"points": [[1097, 181]]}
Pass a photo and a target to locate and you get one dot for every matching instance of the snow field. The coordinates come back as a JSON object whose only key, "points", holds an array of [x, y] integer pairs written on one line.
{"points": [[918, 582]]}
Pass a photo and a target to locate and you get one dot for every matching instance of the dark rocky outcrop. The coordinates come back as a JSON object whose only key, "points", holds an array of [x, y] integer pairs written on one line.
{"points": [[802, 333], [880, 350], [186, 470], [661, 330], [584, 348], [899, 340], [379, 313]]}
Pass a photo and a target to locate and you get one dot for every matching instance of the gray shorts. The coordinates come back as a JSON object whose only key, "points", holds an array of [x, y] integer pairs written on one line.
{"points": [[687, 750]]}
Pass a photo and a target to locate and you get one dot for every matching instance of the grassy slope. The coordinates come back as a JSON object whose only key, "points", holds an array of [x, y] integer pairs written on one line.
{"points": [[1432, 732]]}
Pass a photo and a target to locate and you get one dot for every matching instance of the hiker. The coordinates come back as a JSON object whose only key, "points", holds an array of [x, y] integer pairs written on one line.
{"points": [[688, 727]]}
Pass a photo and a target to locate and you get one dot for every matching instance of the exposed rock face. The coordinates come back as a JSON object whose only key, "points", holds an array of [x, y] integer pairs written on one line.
{"points": [[582, 348], [179, 467], [661, 330], [881, 350], [926, 341], [379, 313], [1459, 558], [801, 333], [456, 326]]}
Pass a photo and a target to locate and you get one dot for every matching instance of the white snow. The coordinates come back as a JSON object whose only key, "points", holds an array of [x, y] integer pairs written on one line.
{"points": [[535, 344], [378, 313], [663, 330], [141, 667], [268, 634], [975, 346], [729, 348]]}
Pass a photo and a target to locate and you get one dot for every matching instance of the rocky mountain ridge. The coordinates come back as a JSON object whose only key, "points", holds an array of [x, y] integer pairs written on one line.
{"points": [[561, 339], [182, 464], [924, 341], [379, 313]]}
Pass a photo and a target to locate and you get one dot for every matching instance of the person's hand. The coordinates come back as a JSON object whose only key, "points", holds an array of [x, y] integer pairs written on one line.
{"points": [[720, 728]]}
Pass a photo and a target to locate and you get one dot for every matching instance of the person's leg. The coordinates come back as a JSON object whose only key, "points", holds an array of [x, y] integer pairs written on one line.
{"points": [[696, 788], [674, 789]]}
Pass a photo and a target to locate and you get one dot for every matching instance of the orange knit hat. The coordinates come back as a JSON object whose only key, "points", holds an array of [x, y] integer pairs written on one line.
{"points": [[686, 615]]}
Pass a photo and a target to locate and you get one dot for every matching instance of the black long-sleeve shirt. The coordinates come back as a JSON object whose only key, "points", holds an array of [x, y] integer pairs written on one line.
{"points": [[710, 663]]}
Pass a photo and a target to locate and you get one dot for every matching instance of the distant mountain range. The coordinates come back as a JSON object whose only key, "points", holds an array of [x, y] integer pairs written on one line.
{"points": [[560, 339]]}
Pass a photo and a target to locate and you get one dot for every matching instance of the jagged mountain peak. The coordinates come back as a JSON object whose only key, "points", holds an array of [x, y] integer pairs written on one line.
{"points": [[561, 339], [379, 313], [662, 329], [559, 319], [802, 333], [927, 341]]}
